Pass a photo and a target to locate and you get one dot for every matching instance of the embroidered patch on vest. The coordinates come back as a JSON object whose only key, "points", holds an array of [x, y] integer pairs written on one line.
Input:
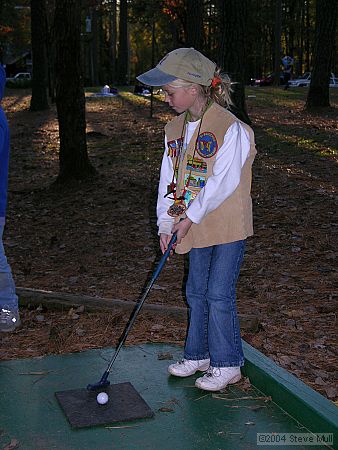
{"points": [[173, 147], [196, 181], [196, 164], [189, 197], [207, 145]]}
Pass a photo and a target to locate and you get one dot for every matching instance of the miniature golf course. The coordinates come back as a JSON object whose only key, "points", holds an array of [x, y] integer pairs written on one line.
{"points": [[181, 416]]}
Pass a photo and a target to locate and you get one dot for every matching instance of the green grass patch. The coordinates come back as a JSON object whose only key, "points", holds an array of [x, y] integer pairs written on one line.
{"points": [[269, 96], [283, 140]]}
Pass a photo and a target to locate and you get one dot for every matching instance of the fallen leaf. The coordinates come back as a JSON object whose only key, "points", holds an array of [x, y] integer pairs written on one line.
{"points": [[331, 391], [164, 355], [320, 381], [165, 409], [256, 407], [40, 318], [12, 445], [158, 287]]}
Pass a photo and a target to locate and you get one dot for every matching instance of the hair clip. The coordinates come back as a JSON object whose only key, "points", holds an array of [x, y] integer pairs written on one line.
{"points": [[216, 81]]}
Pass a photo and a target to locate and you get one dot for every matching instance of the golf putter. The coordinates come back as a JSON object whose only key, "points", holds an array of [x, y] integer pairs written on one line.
{"points": [[104, 382]]}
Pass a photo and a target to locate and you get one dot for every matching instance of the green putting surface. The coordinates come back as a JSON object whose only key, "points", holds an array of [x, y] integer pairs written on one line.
{"points": [[185, 417]]}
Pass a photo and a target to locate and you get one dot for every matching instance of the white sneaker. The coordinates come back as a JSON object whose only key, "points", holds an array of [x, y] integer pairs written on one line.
{"points": [[218, 378], [187, 367]]}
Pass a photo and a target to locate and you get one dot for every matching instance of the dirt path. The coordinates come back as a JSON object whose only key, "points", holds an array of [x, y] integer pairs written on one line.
{"points": [[99, 238]]}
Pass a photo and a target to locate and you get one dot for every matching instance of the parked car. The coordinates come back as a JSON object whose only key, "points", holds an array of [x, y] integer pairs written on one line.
{"points": [[267, 80], [333, 82], [305, 81], [20, 76], [21, 79]]}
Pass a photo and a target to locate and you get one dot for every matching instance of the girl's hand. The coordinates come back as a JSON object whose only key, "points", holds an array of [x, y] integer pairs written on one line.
{"points": [[182, 228], [164, 242]]}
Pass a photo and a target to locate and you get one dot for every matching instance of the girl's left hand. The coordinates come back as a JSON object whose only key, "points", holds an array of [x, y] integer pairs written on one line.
{"points": [[182, 227]]}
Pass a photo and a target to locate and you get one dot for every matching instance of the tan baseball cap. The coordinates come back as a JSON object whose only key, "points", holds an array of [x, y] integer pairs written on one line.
{"points": [[185, 63]]}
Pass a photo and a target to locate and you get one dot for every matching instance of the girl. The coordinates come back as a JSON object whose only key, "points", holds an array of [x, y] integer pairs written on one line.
{"points": [[204, 196]]}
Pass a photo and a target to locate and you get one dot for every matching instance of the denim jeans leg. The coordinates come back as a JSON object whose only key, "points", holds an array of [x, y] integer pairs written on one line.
{"points": [[8, 296], [224, 338], [196, 344]]}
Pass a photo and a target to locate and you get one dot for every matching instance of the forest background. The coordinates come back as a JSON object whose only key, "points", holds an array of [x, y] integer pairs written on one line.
{"points": [[117, 36]]}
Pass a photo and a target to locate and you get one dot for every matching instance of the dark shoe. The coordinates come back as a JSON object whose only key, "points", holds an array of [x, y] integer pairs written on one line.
{"points": [[9, 319]]}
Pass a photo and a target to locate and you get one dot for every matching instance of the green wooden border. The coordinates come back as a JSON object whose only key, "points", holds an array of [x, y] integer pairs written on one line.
{"points": [[311, 409]]}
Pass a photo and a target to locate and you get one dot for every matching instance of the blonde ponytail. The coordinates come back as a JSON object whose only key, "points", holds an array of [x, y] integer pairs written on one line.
{"points": [[220, 89]]}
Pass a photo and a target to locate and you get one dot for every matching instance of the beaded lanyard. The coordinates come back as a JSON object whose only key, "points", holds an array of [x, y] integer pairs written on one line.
{"points": [[178, 207]]}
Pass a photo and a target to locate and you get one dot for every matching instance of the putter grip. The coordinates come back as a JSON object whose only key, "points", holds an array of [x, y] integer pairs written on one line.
{"points": [[164, 257]]}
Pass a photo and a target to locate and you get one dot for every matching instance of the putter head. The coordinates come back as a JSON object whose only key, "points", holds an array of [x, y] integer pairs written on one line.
{"points": [[98, 386], [103, 383]]}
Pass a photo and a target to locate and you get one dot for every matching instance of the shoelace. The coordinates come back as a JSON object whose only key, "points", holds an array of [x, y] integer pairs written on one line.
{"points": [[184, 361], [213, 372]]}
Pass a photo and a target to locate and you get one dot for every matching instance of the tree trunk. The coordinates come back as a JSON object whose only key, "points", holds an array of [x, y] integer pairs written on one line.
{"points": [[307, 40], [195, 30], [232, 51], [50, 48], [293, 23], [278, 31], [102, 74], [123, 43], [326, 14], [70, 99], [113, 39], [301, 43], [39, 99], [94, 49]]}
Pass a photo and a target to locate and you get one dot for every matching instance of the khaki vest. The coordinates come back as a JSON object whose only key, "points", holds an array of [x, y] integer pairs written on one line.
{"points": [[232, 220]]}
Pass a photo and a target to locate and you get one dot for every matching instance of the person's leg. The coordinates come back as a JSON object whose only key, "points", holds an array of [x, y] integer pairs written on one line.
{"points": [[9, 316], [286, 80], [196, 352], [225, 347], [196, 345]]}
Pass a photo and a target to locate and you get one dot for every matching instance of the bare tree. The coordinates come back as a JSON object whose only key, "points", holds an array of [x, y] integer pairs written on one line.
{"points": [[195, 31], [70, 99], [278, 32], [123, 60], [232, 50], [326, 19], [113, 39], [39, 99]]}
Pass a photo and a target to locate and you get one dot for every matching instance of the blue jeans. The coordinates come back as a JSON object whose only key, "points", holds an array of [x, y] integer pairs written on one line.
{"points": [[7, 286], [213, 330]]}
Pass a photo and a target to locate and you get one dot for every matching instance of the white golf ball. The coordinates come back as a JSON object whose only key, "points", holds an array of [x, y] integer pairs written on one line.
{"points": [[102, 398]]}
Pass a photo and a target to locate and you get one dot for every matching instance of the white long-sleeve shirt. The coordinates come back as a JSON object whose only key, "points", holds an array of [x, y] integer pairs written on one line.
{"points": [[224, 180]]}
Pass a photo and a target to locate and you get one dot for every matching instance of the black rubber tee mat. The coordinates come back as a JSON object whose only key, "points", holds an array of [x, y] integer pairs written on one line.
{"points": [[124, 404]]}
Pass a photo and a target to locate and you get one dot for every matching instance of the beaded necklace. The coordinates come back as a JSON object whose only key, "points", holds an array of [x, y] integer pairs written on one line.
{"points": [[179, 207]]}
